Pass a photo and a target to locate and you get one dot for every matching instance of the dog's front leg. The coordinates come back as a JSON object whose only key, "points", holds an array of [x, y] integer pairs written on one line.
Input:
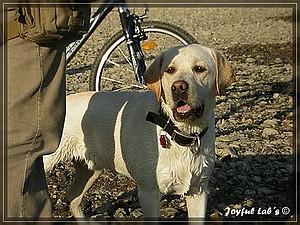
{"points": [[149, 201], [196, 204]]}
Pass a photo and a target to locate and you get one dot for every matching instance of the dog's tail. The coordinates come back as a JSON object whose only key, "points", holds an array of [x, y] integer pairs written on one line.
{"points": [[69, 149]]}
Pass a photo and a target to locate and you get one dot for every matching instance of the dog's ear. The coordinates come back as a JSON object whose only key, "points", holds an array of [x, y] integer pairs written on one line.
{"points": [[153, 76], [224, 73]]}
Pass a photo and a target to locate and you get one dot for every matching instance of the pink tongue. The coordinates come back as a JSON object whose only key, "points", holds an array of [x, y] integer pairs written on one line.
{"points": [[184, 109]]}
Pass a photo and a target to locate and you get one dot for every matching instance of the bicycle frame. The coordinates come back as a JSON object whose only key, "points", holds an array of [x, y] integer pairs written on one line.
{"points": [[96, 20], [132, 31]]}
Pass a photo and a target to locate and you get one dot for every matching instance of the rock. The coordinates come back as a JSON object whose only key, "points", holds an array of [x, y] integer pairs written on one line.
{"points": [[260, 159], [242, 177], [250, 192], [120, 213], [221, 176], [163, 203], [248, 202], [216, 214], [126, 198], [137, 213], [231, 172], [106, 208], [249, 153], [213, 180], [276, 95], [232, 150], [267, 132], [250, 60], [232, 165], [264, 191], [278, 61], [182, 204], [242, 165], [257, 179], [283, 171], [237, 206], [270, 123], [290, 168], [168, 212]]}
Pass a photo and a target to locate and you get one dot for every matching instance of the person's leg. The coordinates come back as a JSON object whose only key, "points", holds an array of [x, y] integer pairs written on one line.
{"points": [[35, 116]]}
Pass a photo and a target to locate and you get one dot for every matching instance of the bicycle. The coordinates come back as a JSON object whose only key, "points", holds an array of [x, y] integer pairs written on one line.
{"points": [[129, 50]]}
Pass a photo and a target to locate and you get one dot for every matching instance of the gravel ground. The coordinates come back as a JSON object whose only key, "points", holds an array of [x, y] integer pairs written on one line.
{"points": [[254, 170]]}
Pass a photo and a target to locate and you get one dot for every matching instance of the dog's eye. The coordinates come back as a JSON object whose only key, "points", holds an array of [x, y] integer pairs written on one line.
{"points": [[170, 70], [199, 69]]}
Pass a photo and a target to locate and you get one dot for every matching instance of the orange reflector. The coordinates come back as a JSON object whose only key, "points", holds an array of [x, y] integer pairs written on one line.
{"points": [[149, 45]]}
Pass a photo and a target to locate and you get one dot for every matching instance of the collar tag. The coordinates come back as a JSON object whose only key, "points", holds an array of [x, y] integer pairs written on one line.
{"points": [[163, 140], [195, 146]]}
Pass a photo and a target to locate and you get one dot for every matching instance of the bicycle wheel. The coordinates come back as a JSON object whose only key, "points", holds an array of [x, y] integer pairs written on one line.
{"points": [[112, 69]]}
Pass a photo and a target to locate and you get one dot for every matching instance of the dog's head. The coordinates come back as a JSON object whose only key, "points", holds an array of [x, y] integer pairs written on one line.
{"points": [[187, 79]]}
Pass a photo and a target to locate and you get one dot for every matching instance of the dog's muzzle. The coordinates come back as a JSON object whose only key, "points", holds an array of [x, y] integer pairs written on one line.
{"points": [[183, 111]]}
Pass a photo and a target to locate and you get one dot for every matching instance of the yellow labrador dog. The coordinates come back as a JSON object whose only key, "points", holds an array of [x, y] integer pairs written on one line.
{"points": [[164, 139]]}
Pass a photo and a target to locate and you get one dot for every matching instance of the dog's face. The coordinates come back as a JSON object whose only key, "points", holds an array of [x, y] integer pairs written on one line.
{"points": [[187, 78]]}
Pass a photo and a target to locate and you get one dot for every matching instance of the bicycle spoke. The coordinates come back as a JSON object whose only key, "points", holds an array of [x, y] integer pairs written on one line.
{"points": [[112, 80], [126, 58], [116, 64], [128, 86]]}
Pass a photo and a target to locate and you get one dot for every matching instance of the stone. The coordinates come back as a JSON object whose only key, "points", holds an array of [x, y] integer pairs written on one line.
{"points": [[168, 212], [267, 132], [137, 213], [278, 61], [249, 202], [270, 123], [250, 192], [237, 206], [276, 95], [106, 208], [250, 60], [250, 153], [120, 213], [257, 179], [221, 176], [163, 203], [264, 191]]}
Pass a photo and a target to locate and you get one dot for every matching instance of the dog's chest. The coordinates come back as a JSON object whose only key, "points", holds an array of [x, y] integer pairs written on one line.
{"points": [[178, 170]]}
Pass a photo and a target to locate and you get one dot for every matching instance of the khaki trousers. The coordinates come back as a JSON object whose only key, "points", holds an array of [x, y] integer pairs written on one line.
{"points": [[35, 117]]}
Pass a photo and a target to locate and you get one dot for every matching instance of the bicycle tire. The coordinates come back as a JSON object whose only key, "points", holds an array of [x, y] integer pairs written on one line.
{"points": [[149, 27]]}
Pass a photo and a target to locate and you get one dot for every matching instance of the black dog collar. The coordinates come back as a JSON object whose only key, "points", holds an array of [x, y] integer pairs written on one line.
{"points": [[181, 138]]}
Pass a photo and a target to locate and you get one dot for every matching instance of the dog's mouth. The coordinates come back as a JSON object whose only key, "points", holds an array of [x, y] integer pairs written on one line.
{"points": [[185, 112]]}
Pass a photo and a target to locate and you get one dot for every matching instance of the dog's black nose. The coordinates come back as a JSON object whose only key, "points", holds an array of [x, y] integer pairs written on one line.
{"points": [[179, 87]]}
